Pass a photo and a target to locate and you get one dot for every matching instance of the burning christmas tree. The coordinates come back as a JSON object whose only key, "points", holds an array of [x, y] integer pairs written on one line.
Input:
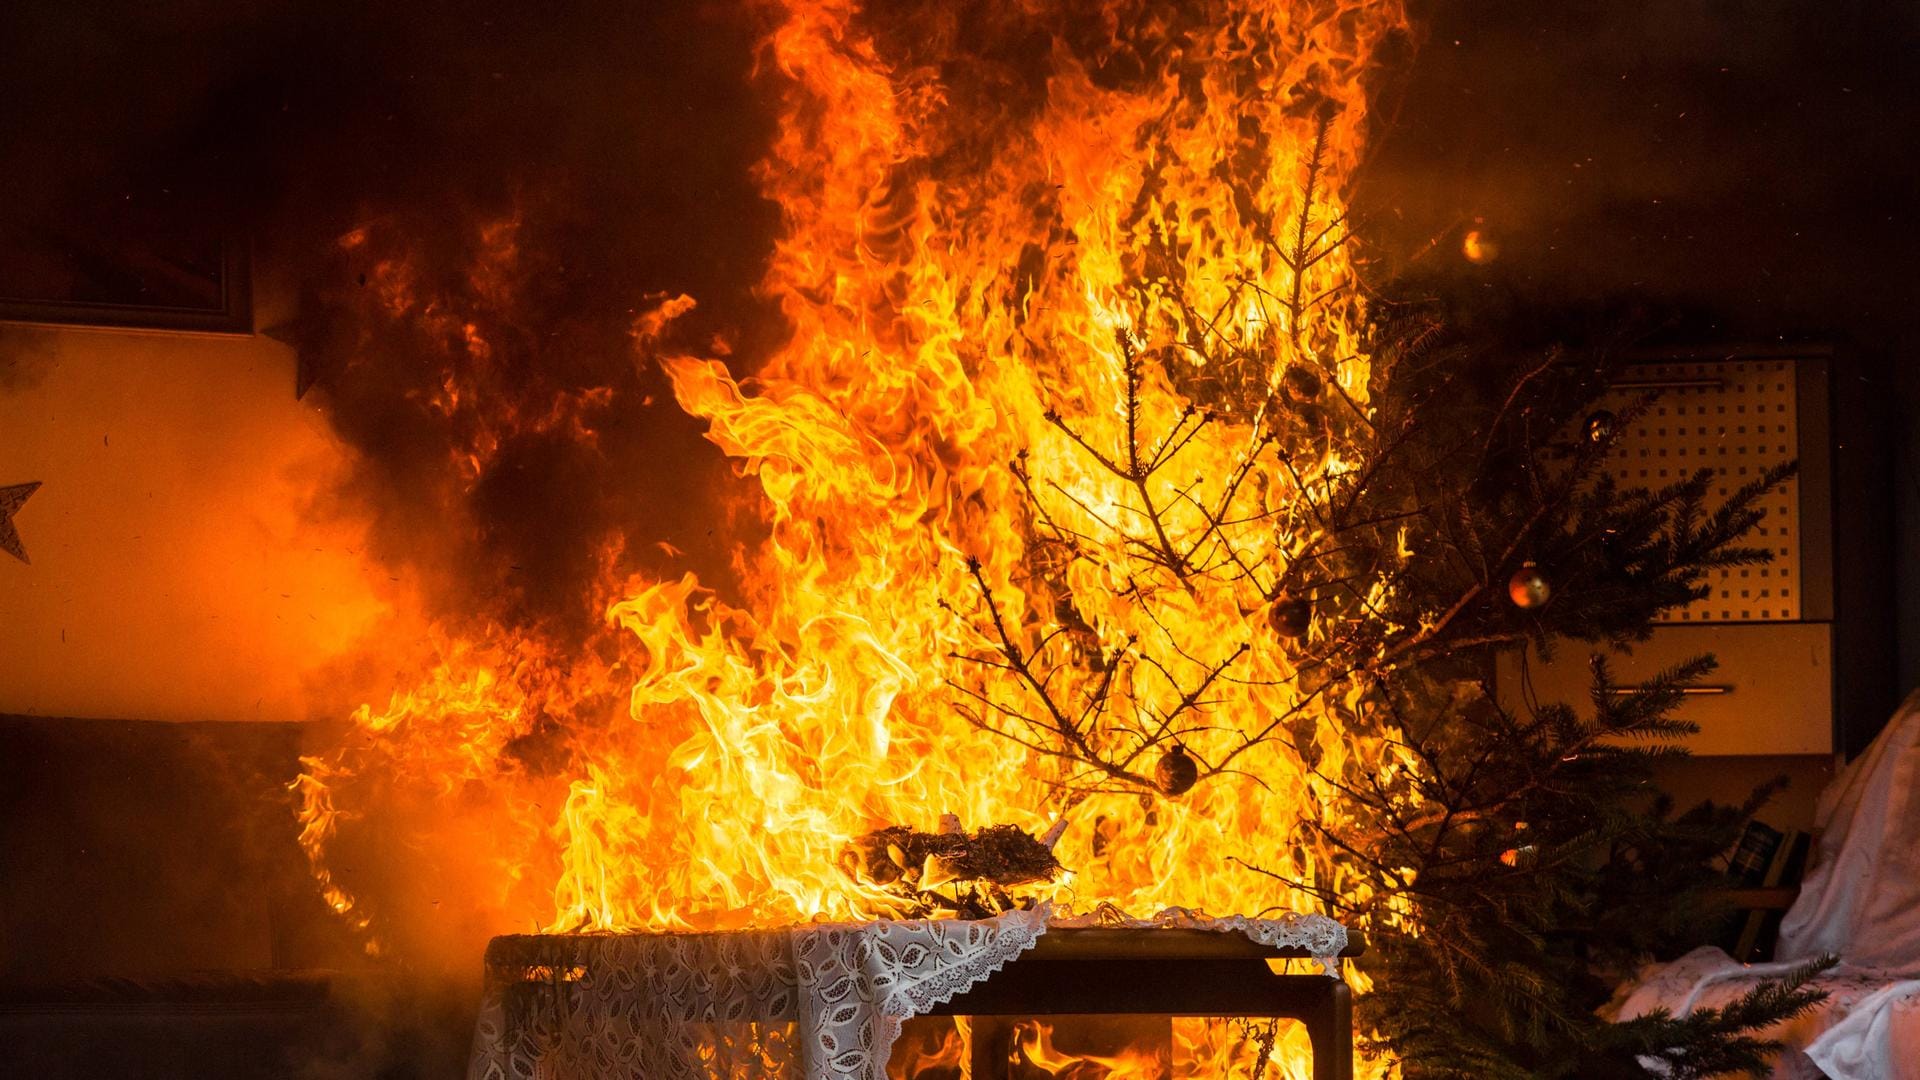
{"points": [[1093, 482]]}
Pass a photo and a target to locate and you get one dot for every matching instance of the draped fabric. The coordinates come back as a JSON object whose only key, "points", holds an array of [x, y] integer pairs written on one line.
{"points": [[1861, 903]]}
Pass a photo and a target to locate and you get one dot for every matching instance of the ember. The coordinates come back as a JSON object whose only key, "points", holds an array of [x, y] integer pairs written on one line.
{"points": [[980, 867]]}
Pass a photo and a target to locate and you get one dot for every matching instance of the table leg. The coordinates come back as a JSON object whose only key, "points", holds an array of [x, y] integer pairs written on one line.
{"points": [[1330, 1027], [989, 1053]]}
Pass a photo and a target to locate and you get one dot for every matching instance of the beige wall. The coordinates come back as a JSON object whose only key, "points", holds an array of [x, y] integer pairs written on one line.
{"points": [[1730, 779], [184, 563]]}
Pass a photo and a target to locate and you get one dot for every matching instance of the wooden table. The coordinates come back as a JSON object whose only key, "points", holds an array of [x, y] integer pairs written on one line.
{"points": [[1165, 972]]}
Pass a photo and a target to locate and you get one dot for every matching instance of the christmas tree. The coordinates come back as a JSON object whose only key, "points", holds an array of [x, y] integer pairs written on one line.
{"points": [[1380, 542], [1082, 412]]}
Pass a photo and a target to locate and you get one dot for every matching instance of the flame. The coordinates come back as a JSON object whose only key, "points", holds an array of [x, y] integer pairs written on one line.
{"points": [[928, 1048], [1227, 1047], [986, 209], [1034, 1049], [1254, 1049], [953, 280]]}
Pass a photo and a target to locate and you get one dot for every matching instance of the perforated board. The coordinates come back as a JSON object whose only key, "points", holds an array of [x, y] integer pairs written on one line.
{"points": [[1737, 417]]}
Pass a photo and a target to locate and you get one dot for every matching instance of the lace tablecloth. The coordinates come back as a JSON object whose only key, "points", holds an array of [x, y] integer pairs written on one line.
{"points": [[815, 1002]]}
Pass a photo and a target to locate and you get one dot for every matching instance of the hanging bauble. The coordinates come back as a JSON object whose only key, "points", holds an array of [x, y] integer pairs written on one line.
{"points": [[1302, 384], [1290, 615], [1528, 588], [1176, 772], [1600, 427]]}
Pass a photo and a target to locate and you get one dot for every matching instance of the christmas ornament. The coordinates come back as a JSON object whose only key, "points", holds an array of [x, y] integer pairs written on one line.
{"points": [[1600, 427], [12, 496], [1176, 773], [1478, 247], [318, 334], [1528, 588], [1290, 616], [1302, 384]]}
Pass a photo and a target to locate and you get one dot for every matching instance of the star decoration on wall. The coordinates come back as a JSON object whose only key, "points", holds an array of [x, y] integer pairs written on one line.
{"points": [[316, 334], [12, 496]]}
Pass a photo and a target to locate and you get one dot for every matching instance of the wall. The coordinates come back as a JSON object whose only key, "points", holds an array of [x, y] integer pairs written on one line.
{"points": [[1722, 172], [185, 561], [1730, 780]]}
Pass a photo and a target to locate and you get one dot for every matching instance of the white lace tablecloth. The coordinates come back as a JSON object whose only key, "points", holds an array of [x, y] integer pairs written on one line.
{"points": [[815, 1002]]}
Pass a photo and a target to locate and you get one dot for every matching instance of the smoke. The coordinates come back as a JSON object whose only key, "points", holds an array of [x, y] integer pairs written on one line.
{"points": [[530, 184], [531, 177], [1722, 160]]}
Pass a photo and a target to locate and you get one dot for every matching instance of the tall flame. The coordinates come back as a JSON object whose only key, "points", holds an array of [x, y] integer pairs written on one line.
{"points": [[986, 207]]}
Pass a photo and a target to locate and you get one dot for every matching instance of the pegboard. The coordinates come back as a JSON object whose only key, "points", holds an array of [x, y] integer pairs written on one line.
{"points": [[1738, 418]]}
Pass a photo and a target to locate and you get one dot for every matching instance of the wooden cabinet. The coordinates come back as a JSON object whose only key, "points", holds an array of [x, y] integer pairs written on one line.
{"points": [[1805, 642]]}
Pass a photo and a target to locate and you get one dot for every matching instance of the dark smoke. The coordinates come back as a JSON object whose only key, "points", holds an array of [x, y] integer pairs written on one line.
{"points": [[618, 141], [617, 135]]}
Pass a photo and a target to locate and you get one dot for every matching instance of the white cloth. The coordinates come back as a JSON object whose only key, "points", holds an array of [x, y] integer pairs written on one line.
{"points": [[1708, 978], [1319, 937], [1861, 898], [1878, 1038], [816, 1002], [859, 982], [1860, 902]]}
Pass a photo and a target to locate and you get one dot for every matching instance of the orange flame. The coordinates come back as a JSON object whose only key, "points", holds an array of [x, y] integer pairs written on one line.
{"points": [[972, 213], [1110, 1047], [926, 1049], [1035, 1048]]}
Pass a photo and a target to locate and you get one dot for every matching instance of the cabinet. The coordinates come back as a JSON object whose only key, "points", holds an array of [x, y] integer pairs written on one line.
{"points": [[1805, 642]]}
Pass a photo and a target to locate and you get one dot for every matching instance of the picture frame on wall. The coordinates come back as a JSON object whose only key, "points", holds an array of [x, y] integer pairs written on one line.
{"points": [[126, 272]]}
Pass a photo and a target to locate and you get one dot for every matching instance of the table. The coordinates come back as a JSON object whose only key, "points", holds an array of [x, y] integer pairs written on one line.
{"points": [[1170, 972], [826, 1001]]}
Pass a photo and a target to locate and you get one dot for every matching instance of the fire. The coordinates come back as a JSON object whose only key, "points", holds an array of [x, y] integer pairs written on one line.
{"points": [[955, 281], [927, 1050], [1233, 1047], [1035, 1051], [1121, 1048], [1000, 222]]}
